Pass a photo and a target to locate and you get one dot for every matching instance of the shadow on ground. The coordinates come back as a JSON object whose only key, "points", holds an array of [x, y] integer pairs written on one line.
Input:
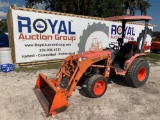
{"points": [[119, 80]]}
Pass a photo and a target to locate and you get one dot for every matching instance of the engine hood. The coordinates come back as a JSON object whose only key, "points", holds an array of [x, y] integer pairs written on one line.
{"points": [[91, 54]]}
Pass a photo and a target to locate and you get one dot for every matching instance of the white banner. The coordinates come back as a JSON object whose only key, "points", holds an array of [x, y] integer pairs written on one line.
{"points": [[41, 36]]}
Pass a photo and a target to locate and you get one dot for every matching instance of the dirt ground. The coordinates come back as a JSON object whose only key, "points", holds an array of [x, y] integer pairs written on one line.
{"points": [[120, 102]]}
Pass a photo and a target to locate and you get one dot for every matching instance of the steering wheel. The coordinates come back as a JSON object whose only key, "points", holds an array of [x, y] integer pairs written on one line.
{"points": [[113, 46]]}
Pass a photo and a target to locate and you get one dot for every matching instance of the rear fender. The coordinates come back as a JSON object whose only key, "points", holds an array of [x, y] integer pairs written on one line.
{"points": [[128, 63]]}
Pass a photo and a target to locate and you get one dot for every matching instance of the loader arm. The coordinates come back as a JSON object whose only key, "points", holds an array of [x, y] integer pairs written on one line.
{"points": [[83, 66]]}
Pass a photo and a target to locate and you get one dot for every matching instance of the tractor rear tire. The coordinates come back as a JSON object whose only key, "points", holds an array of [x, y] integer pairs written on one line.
{"points": [[96, 86], [137, 73]]}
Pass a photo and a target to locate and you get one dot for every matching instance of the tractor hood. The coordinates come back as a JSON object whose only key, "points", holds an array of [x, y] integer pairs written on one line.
{"points": [[92, 54]]}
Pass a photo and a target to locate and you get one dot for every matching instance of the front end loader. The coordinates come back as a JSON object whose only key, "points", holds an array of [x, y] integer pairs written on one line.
{"points": [[54, 92], [94, 68]]}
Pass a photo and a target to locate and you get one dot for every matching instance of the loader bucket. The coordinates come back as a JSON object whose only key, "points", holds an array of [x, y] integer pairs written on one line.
{"points": [[52, 98]]}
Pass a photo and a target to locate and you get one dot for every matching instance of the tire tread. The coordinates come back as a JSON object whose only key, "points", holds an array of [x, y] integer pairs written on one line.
{"points": [[129, 77], [91, 82]]}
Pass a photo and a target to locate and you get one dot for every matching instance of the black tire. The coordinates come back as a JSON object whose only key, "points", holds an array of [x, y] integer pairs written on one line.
{"points": [[137, 73], [91, 85]]}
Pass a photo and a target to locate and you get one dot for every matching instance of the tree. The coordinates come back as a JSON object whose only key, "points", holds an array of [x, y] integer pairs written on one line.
{"points": [[130, 6], [155, 33], [96, 8], [3, 25], [143, 5], [133, 5]]}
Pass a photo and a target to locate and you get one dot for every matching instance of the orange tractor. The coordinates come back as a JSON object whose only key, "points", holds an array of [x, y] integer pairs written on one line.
{"points": [[155, 45], [94, 68]]}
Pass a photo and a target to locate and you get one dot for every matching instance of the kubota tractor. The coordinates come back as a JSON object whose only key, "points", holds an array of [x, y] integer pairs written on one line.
{"points": [[94, 68], [155, 45]]}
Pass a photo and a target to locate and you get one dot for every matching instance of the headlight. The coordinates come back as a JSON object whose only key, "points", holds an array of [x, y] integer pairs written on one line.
{"points": [[82, 58]]}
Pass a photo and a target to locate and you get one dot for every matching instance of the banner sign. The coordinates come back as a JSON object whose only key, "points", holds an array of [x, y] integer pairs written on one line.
{"points": [[41, 36]]}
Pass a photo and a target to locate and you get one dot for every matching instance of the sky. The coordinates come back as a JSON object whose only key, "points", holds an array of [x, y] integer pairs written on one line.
{"points": [[153, 11]]}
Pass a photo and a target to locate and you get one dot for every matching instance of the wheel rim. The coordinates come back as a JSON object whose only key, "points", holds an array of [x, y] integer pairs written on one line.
{"points": [[99, 87], [142, 74]]}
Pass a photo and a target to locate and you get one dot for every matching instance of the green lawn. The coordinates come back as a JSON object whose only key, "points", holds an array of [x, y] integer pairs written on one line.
{"points": [[36, 68], [151, 57]]}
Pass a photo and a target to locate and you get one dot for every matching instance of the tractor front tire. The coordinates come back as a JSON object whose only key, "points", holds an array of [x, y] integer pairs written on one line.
{"points": [[96, 86], [137, 73]]}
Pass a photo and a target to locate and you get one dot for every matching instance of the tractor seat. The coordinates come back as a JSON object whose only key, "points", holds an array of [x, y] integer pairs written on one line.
{"points": [[127, 48], [113, 53], [125, 53]]}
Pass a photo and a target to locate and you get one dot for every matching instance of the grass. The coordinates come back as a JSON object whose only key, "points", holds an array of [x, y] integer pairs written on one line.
{"points": [[151, 57], [36, 68]]}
